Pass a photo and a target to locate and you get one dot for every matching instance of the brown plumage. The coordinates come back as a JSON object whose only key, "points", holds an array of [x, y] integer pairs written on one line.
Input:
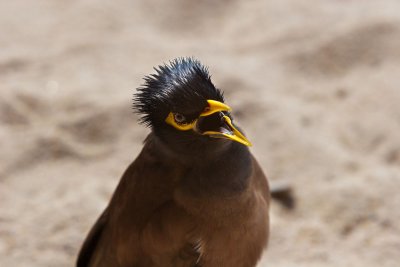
{"points": [[189, 199]]}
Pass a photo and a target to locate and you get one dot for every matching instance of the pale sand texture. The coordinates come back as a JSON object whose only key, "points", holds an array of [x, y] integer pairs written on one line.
{"points": [[315, 84]]}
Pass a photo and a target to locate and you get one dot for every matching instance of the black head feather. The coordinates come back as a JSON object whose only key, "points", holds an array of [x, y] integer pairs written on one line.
{"points": [[182, 86]]}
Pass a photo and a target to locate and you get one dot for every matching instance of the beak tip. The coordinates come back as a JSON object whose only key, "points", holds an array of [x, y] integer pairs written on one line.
{"points": [[247, 143]]}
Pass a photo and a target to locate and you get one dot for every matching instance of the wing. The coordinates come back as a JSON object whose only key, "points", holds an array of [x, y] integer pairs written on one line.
{"points": [[91, 241], [142, 224]]}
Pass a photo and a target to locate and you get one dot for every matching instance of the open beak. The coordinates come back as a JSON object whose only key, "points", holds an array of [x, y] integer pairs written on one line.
{"points": [[215, 123]]}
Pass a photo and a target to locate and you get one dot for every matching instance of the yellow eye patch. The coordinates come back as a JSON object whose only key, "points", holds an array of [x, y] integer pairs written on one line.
{"points": [[213, 107], [180, 126]]}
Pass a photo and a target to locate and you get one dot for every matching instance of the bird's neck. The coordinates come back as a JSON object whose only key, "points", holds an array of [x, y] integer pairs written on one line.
{"points": [[225, 174], [218, 170], [193, 153]]}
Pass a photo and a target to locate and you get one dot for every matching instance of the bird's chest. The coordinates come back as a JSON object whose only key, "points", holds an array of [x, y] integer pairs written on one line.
{"points": [[168, 236], [218, 190], [225, 176], [166, 240]]}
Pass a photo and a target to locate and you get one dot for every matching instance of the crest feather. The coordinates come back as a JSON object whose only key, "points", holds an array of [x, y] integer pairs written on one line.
{"points": [[183, 81]]}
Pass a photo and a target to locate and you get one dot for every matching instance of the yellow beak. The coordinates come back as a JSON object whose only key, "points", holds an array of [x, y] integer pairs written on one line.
{"points": [[213, 106]]}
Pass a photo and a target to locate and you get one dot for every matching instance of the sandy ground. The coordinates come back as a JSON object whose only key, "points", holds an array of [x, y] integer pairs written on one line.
{"points": [[315, 84]]}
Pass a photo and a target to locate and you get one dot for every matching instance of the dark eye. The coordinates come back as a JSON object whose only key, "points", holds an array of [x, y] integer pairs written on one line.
{"points": [[179, 118]]}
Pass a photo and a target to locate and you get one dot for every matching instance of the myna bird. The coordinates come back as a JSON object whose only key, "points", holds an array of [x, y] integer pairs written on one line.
{"points": [[195, 195]]}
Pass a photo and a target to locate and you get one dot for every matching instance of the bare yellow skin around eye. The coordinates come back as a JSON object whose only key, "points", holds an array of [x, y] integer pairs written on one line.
{"points": [[213, 106], [180, 126]]}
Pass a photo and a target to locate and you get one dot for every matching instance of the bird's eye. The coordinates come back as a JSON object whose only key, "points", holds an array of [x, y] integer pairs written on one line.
{"points": [[179, 118]]}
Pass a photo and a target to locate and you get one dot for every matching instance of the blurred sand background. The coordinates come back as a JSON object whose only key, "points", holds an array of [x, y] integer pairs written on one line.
{"points": [[315, 84]]}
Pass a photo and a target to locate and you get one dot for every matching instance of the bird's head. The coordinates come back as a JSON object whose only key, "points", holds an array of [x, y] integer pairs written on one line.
{"points": [[183, 107]]}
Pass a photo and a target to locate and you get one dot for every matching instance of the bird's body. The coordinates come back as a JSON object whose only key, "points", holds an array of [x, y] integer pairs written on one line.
{"points": [[184, 203]]}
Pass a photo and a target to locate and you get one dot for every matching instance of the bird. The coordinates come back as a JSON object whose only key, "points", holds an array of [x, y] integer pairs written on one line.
{"points": [[195, 196]]}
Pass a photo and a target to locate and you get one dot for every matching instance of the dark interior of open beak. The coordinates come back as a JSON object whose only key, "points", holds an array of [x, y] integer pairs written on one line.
{"points": [[214, 122]]}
